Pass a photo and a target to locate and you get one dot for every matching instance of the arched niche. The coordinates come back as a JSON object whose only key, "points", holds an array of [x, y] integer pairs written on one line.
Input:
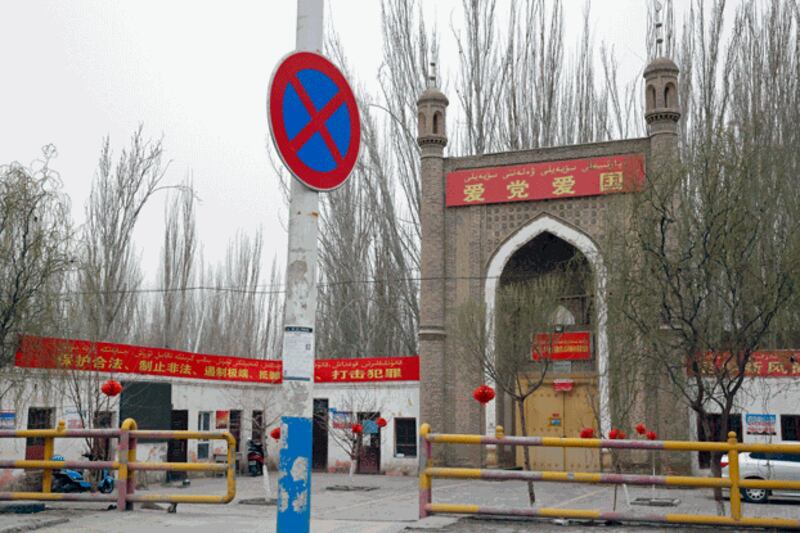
{"points": [[566, 241]]}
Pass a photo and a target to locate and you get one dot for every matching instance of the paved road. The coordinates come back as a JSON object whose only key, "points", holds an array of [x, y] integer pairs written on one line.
{"points": [[391, 507]]}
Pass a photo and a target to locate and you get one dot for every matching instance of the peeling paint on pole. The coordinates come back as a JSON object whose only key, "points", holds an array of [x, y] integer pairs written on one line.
{"points": [[294, 494]]}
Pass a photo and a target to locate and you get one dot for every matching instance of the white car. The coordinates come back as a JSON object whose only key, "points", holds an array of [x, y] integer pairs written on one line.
{"points": [[757, 465]]}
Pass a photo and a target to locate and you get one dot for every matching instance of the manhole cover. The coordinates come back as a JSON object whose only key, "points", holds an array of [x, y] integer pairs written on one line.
{"points": [[656, 502], [351, 488], [258, 501]]}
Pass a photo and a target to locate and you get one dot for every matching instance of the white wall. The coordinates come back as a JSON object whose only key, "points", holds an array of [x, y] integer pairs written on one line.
{"points": [[773, 396], [392, 400]]}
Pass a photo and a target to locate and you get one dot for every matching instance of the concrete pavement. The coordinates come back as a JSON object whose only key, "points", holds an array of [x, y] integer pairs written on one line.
{"points": [[391, 507]]}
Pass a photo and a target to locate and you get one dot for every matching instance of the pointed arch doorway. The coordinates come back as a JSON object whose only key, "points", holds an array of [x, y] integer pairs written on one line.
{"points": [[537, 249]]}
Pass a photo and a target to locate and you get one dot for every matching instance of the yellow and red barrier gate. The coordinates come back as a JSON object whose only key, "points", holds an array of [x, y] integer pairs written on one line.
{"points": [[126, 465], [733, 483]]}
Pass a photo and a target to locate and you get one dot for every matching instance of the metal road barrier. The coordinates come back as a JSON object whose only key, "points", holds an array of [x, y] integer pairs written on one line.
{"points": [[126, 465], [733, 483]]}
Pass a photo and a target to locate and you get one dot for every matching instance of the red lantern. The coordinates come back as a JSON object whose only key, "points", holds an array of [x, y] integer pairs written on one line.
{"points": [[484, 394], [587, 433], [651, 435], [641, 429], [613, 434], [621, 435], [357, 428], [276, 433], [381, 422], [111, 387]]}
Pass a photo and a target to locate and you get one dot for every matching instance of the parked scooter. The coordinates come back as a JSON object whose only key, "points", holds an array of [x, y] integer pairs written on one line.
{"points": [[67, 480], [255, 458]]}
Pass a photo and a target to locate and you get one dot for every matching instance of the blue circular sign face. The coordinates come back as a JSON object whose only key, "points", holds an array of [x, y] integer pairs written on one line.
{"points": [[314, 120]]}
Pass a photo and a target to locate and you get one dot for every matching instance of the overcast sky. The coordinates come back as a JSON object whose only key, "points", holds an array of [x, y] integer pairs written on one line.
{"points": [[196, 72]]}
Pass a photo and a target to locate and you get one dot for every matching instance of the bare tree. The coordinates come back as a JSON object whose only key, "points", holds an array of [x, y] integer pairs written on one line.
{"points": [[713, 250], [512, 344], [106, 306], [238, 316], [352, 422], [35, 253], [110, 272], [178, 261]]}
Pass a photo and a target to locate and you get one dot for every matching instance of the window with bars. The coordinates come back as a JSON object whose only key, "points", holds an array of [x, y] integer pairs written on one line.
{"points": [[790, 427], [203, 424], [734, 424], [405, 437]]}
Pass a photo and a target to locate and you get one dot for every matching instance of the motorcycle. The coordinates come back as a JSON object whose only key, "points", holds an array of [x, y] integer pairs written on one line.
{"points": [[67, 480], [255, 458]]}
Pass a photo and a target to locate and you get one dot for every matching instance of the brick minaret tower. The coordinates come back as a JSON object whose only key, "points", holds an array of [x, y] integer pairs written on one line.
{"points": [[662, 109], [432, 138]]}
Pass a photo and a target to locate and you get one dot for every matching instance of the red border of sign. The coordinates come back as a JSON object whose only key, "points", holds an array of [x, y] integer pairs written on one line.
{"points": [[286, 69]]}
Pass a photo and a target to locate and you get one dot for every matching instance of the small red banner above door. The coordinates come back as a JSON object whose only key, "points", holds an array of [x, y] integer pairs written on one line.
{"points": [[563, 385], [569, 178], [570, 345]]}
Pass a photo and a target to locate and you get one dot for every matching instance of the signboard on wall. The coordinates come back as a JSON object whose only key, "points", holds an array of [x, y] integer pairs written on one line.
{"points": [[765, 364], [571, 178], [222, 419], [563, 385], [73, 418], [8, 420], [341, 419], [366, 369], [568, 345], [760, 424]]}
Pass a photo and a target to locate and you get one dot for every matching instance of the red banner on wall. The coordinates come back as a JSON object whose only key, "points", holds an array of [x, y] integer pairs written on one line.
{"points": [[46, 352], [765, 364], [368, 369], [569, 178], [69, 354], [569, 345]]}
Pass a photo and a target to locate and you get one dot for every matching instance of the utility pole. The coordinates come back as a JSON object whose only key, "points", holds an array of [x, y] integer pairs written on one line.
{"points": [[294, 479]]}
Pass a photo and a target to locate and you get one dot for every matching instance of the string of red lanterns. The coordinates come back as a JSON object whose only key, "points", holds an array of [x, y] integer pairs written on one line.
{"points": [[615, 433]]}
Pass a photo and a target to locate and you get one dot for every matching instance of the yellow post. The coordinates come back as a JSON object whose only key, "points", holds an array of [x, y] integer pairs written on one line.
{"points": [[425, 486], [130, 484], [231, 478], [733, 469], [49, 449]]}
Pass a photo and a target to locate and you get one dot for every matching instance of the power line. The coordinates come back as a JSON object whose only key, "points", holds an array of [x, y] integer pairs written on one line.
{"points": [[241, 290]]}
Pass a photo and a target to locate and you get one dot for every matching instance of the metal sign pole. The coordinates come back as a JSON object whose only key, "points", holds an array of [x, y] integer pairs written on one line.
{"points": [[294, 479]]}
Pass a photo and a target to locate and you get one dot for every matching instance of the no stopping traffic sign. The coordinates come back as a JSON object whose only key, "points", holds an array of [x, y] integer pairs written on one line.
{"points": [[313, 117]]}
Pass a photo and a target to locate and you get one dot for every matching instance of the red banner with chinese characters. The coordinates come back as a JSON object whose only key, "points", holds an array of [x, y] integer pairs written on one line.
{"points": [[569, 178], [368, 369], [765, 364], [566, 346], [46, 352]]}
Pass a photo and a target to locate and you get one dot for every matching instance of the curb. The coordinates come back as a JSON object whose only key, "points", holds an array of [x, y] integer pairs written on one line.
{"points": [[35, 524]]}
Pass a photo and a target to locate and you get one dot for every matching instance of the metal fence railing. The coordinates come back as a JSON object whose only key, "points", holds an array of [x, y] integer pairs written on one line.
{"points": [[126, 465], [734, 483]]}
